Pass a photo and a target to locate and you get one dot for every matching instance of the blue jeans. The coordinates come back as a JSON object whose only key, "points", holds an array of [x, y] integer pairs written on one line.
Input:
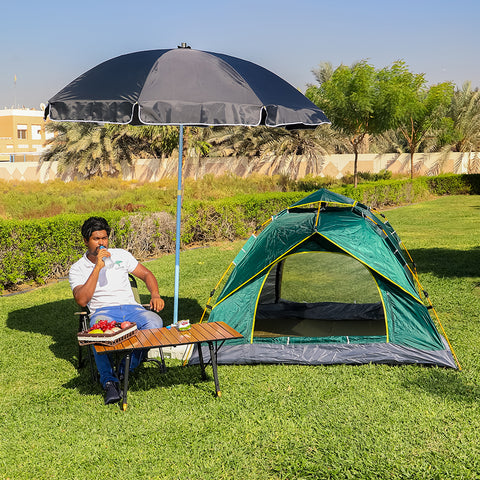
{"points": [[133, 313]]}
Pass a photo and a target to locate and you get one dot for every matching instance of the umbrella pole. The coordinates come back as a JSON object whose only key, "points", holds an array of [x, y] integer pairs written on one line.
{"points": [[178, 226]]}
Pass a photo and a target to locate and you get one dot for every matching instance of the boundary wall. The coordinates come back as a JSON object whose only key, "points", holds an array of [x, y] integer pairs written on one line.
{"points": [[295, 167]]}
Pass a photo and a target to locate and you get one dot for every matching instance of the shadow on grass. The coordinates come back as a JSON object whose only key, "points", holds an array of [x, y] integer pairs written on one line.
{"points": [[148, 376], [444, 383], [445, 262], [58, 320]]}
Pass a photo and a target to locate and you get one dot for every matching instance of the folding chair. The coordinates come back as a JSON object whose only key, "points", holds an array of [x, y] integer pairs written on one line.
{"points": [[84, 324]]}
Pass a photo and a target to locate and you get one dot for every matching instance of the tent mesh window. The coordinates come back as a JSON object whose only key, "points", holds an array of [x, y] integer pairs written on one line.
{"points": [[319, 294]]}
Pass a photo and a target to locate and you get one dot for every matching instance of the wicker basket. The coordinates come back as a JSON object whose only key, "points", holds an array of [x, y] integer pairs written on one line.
{"points": [[85, 338]]}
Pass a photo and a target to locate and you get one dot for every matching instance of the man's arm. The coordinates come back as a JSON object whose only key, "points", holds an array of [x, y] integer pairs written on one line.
{"points": [[84, 293], [143, 273]]}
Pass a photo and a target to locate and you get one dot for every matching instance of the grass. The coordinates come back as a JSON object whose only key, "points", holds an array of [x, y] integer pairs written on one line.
{"points": [[27, 200], [272, 421]]}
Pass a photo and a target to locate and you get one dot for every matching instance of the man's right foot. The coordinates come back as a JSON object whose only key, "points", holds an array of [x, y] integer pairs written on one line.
{"points": [[112, 395]]}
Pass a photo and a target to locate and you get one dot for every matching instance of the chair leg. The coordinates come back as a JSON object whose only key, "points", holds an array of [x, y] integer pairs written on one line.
{"points": [[93, 366], [80, 357], [160, 363]]}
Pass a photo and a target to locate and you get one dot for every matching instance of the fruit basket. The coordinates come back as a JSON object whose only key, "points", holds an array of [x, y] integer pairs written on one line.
{"points": [[91, 337]]}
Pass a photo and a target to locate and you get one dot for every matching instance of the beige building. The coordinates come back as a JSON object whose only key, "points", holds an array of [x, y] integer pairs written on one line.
{"points": [[22, 135]]}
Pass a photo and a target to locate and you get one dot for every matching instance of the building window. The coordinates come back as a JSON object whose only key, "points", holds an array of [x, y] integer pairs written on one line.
{"points": [[36, 132], [22, 132]]}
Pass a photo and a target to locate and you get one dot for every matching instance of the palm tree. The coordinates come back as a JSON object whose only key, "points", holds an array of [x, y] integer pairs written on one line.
{"points": [[391, 141], [280, 145], [83, 149], [324, 72], [465, 114], [459, 131], [88, 150]]}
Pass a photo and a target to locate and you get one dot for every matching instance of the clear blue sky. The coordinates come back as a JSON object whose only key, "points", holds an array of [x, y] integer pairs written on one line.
{"points": [[46, 44]]}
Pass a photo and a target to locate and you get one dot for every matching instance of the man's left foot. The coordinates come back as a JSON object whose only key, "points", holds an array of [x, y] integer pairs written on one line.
{"points": [[112, 395]]}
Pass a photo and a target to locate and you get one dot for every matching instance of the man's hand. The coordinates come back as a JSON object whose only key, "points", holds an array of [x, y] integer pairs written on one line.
{"points": [[157, 303], [99, 259], [142, 272]]}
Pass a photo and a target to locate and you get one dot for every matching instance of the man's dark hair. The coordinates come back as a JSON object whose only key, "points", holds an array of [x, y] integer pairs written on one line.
{"points": [[94, 224]]}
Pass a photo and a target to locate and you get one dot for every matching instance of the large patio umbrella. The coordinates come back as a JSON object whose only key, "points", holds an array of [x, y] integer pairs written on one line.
{"points": [[183, 87]]}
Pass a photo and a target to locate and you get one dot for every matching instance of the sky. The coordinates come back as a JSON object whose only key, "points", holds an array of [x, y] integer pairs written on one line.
{"points": [[44, 45]]}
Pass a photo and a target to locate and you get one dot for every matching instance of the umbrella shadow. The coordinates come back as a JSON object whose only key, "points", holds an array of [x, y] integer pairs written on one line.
{"points": [[446, 262], [58, 320]]}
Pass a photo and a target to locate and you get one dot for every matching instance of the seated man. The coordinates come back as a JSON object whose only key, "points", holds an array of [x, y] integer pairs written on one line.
{"points": [[108, 295]]}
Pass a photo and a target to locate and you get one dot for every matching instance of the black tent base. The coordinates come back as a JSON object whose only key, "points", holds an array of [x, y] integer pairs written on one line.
{"points": [[327, 354]]}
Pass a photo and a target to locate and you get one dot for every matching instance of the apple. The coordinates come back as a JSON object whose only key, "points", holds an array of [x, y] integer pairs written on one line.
{"points": [[125, 324]]}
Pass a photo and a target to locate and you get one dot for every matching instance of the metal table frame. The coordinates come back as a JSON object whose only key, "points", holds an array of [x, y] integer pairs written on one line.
{"points": [[210, 333]]}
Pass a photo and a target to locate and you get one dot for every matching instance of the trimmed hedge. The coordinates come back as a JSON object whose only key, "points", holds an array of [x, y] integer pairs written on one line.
{"points": [[42, 249], [38, 250]]}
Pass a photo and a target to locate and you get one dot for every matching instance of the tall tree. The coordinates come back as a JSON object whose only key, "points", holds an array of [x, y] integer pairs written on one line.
{"points": [[361, 101], [350, 98]]}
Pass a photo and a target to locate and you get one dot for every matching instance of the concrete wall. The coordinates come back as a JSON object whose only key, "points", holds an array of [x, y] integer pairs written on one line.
{"points": [[294, 167]]}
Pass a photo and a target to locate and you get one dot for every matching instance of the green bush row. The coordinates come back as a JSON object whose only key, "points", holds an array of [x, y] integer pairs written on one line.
{"points": [[38, 250], [42, 249]]}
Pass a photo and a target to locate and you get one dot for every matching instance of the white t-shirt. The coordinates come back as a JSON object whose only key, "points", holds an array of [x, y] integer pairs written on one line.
{"points": [[113, 286]]}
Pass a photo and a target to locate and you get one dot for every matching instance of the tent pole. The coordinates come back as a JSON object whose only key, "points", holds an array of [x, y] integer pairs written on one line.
{"points": [[178, 226]]}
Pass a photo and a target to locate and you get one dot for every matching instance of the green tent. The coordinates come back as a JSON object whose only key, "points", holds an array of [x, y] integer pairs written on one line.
{"points": [[327, 281]]}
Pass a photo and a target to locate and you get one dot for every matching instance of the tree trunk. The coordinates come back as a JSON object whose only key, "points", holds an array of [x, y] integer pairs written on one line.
{"points": [[355, 167], [411, 164]]}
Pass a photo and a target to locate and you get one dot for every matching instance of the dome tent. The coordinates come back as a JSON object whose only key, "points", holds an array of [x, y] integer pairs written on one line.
{"points": [[327, 281]]}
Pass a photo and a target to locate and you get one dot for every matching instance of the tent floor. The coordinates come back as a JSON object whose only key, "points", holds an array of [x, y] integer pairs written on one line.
{"points": [[325, 319]]}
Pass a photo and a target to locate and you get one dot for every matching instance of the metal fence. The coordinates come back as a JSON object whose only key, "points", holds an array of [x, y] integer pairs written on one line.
{"points": [[20, 157]]}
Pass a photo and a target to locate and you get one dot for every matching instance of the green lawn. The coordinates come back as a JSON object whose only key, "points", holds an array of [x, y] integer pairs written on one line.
{"points": [[272, 421]]}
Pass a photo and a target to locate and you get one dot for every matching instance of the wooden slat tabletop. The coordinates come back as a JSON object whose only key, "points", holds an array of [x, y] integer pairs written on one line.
{"points": [[167, 337]]}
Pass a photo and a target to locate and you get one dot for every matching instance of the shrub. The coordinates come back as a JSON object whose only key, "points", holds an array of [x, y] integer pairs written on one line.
{"points": [[146, 234], [310, 183], [231, 218], [451, 184], [41, 249], [37, 250]]}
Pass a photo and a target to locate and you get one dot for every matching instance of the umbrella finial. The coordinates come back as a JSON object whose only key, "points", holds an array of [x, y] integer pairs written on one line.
{"points": [[183, 45]]}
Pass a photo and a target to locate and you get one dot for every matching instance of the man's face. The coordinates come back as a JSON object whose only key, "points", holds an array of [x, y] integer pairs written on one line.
{"points": [[96, 240]]}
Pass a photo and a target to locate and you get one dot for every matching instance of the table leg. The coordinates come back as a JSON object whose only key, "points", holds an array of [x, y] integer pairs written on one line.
{"points": [[213, 357], [125, 380], [202, 364]]}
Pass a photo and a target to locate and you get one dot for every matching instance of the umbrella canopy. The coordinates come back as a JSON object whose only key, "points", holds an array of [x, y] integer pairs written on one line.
{"points": [[181, 87]]}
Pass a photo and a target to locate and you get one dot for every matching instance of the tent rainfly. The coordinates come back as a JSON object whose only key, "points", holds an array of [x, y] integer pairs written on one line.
{"points": [[327, 281]]}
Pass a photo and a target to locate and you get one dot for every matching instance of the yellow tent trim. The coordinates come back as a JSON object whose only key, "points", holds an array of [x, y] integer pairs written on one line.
{"points": [[263, 269], [337, 204], [256, 304], [369, 266]]}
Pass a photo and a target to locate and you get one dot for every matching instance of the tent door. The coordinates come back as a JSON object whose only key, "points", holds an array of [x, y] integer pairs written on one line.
{"points": [[319, 294]]}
